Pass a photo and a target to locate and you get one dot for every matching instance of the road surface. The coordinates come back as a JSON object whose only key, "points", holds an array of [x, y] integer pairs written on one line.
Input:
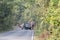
{"points": [[17, 35]]}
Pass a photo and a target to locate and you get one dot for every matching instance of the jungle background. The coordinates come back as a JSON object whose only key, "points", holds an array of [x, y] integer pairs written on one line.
{"points": [[46, 13]]}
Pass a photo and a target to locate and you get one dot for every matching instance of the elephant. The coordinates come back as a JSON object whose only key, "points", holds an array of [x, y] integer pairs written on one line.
{"points": [[27, 25]]}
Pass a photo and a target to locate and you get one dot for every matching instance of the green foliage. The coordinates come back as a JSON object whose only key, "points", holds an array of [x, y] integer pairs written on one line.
{"points": [[46, 13], [14, 11], [4, 13], [53, 18], [55, 2]]}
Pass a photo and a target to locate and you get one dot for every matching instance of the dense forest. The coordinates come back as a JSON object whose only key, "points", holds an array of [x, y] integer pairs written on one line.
{"points": [[46, 13]]}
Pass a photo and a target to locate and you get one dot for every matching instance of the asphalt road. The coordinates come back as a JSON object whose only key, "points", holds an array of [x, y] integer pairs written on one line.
{"points": [[17, 34]]}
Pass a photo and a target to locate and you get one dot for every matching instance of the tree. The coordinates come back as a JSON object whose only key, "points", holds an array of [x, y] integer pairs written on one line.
{"points": [[5, 16]]}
